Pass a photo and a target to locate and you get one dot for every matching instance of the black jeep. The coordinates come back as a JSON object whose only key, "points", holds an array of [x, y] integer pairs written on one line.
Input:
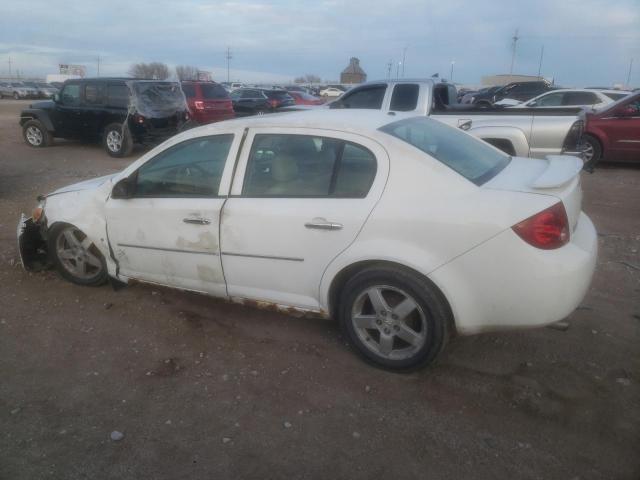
{"points": [[117, 111]]}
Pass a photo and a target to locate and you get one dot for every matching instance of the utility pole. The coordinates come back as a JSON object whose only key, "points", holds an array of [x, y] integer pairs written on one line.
{"points": [[98, 65], [9, 66], [540, 64], [229, 57], [398, 70], [515, 39], [389, 65], [453, 62], [404, 56], [629, 74]]}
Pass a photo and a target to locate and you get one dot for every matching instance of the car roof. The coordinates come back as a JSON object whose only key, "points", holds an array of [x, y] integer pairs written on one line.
{"points": [[355, 121]]}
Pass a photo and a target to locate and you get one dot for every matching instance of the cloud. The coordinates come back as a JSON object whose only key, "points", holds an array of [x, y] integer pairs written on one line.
{"points": [[587, 41]]}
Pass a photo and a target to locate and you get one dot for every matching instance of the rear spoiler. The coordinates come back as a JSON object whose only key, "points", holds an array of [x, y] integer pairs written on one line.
{"points": [[561, 169]]}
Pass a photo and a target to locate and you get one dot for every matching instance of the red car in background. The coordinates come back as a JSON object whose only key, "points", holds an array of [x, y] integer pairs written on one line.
{"points": [[208, 101], [303, 98], [613, 132]]}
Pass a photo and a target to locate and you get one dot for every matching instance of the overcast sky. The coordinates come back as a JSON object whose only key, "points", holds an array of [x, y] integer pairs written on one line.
{"points": [[586, 42]]}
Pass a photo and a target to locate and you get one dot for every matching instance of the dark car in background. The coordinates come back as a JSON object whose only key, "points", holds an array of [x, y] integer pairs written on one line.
{"points": [[612, 133], [117, 111], [521, 91], [252, 101], [208, 101]]}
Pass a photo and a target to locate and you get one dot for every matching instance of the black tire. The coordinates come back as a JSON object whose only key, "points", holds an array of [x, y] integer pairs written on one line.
{"points": [[95, 275], [433, 313], [36, 135], [112, 147], [592, 144]]}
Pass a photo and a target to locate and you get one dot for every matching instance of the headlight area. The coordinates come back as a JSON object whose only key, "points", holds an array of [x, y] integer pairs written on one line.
{"points": [[32, 243]]}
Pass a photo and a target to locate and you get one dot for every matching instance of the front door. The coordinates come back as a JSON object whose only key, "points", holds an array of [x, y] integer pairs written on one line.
{"points": [[299, 198], [168, 232], [624, 132], [67, 115]]}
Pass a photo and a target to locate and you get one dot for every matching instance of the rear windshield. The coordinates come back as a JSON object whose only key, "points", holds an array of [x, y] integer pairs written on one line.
{"points": [[277, 94], [213, 91], [158, 98], [472, 158]]}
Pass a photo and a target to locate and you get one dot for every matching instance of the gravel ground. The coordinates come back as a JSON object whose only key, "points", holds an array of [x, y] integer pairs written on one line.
{"points": [[153, 383]]}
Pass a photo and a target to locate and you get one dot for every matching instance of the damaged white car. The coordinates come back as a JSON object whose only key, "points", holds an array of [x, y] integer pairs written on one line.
{"points": [[406, 230]]}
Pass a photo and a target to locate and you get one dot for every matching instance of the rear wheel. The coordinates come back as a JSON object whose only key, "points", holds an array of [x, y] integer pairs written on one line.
{"points": [[76, 257], [35, 134], [117, 140], [394, 318], [592, 151]]}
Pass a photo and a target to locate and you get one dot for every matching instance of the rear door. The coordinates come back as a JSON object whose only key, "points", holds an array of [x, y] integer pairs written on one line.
{"points": [[93, 110], [299, 198]]}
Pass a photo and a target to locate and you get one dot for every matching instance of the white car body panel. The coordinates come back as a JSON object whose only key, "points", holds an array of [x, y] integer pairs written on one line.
{"points": [[419, 213]]}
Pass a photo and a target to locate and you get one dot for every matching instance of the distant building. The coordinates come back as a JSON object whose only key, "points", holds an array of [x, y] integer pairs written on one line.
{"points": [[353, 73], [503, 79]]}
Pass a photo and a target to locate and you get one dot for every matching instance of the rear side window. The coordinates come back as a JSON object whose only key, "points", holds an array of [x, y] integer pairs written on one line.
{"points": [[213, 91], [580, 98], [470, 157], [94, 94], [307, 166], [366, 97], [405, 97], [190, 169], [189, 90], [117, 95]]}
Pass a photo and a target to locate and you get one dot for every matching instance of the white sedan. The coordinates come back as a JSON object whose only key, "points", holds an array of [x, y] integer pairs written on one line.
{"points": [[576, 97], [331, 92], [406, 230]]}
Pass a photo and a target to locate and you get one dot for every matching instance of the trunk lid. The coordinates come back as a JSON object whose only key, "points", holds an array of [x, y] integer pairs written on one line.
{"points": [[556, 175]]}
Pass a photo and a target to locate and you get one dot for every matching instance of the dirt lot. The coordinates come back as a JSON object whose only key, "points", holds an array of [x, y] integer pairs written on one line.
{"points": [[204, 389]]}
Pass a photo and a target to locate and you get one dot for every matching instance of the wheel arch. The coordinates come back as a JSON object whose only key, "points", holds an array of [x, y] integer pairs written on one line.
{"points": [[40, 115], [342, 277]]}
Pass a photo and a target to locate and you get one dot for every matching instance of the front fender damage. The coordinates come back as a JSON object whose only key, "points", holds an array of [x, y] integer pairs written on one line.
{"points": [[32, 244]]}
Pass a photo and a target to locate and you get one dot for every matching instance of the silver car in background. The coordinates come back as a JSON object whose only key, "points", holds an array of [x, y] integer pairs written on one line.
{"points": [[18, 90]]}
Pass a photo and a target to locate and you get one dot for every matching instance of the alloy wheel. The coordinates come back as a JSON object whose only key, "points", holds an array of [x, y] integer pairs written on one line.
{"points": [[114, 141], [74, 250], [34, 136], [389, 322]]}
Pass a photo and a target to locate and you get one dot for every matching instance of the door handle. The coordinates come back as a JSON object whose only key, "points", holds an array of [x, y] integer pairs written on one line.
{"points": [[197, 221], [323, 225]]}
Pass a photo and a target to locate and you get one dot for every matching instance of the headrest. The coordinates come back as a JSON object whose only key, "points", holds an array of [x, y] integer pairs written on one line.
{"points": [[284, 168]]}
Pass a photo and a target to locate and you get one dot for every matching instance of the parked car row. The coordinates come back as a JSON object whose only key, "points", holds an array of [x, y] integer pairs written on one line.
{"points": [[22, 90]]}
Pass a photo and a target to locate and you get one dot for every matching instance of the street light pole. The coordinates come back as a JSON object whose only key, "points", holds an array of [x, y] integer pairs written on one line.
{"points": [[229, 57], [404, 56], [453, 62]]}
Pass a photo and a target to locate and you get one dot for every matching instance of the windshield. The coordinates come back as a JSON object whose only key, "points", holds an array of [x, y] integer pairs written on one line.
{"points": [[615, 96], [213, 91], [472, 158]]}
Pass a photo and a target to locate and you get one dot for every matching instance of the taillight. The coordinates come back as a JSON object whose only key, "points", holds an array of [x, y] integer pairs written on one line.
{"points": [[273, 103], [199, 105], [138, 118], [547, 230]]}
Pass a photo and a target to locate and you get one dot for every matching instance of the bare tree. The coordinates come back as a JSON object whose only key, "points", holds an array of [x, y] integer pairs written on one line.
{"points": [[153, 70], [186, 72], [308, 78]]}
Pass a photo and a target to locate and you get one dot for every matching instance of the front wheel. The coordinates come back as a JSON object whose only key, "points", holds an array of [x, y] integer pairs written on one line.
{"points": [[76, 257], [394, 318], [591, 151], [35, 134], [117, 140]]}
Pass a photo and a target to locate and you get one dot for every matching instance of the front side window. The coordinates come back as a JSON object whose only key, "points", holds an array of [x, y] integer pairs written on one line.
{"points": [[70, 94], [472, 158], [308, 166], [365, 97], [190, 169], [405, 97]]}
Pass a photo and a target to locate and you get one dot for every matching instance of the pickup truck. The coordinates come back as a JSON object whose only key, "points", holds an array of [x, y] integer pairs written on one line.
{"points": [[522, 132]]}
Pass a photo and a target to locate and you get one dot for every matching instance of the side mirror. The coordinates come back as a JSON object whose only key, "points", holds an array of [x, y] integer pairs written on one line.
{"points": [[124, 189]]}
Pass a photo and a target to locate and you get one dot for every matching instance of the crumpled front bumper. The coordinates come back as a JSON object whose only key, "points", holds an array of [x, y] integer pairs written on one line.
{"points": [[32, 244]]}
